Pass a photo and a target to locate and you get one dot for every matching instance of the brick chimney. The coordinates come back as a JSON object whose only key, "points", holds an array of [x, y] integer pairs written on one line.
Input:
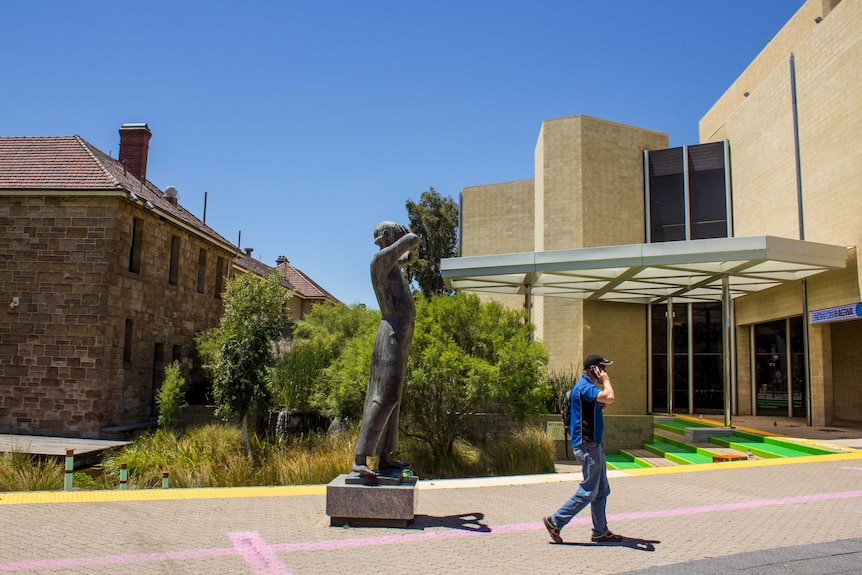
{"points": [[134, 148]]}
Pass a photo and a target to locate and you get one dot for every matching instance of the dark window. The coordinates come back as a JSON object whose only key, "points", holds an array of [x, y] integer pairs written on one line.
{"points": [[202, 271], [659, 358], [666, 195], [680, 357], [706, 188], [707, 191], [136, 246], [127, 345], [777, 377], [706, 357], [174, 272], [177, 354], [219, 285]]}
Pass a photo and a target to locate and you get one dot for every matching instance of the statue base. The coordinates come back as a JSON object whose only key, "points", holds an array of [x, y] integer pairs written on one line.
{"points": [[385, 501]]}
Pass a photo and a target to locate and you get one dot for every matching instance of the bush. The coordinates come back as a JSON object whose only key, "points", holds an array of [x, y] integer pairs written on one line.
{"points": [[469, 357], [171, 398], [528, 451], [19, 472]]}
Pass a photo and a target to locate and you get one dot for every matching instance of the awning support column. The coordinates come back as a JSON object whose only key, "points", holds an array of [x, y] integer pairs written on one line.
{"points": [[670, 356], [726, 352]]}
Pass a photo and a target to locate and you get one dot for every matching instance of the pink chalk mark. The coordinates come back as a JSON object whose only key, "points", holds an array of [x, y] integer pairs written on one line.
{"points": [[261, 556], [853, 468], [258, 553]]}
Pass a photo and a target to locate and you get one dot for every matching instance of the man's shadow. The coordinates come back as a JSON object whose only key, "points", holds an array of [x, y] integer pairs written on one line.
{"points": [[630, 542], [464, 521]]}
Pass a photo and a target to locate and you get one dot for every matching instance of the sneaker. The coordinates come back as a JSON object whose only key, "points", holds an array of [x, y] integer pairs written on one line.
{"points": [[553, 530], [607, 538]]}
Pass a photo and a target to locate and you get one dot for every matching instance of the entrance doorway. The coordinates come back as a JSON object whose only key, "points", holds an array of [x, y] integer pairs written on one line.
{"points": [[697, 358], [779, 368]]}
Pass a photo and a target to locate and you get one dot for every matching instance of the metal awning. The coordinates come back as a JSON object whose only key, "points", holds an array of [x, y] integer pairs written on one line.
{"points": [[686, 271]]}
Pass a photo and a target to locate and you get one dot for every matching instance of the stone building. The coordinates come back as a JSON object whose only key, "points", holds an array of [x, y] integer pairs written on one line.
{"points": [[104, 280], [662, 258], [306, 292]]}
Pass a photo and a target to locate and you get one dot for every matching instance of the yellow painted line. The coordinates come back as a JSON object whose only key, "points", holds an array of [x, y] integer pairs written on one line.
{"points": [[641, 471], [733, 426], [31, 497], [814, 442]]}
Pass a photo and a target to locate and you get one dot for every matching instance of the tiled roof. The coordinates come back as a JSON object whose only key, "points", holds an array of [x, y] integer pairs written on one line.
{"points": [[70, 163], [52, 163], [304, 284], [293, 279], [254, 266]]}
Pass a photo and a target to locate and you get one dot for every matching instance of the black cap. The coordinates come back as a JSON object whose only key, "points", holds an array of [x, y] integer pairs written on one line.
{"points": [[595, 360]]}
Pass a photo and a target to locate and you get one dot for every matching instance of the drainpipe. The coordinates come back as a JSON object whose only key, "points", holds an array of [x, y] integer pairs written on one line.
{"points": [[801, 216]]}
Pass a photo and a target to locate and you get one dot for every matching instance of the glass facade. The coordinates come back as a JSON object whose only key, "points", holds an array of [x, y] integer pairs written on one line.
{"points": [[687, 197], [687, 193], [779, 363]]}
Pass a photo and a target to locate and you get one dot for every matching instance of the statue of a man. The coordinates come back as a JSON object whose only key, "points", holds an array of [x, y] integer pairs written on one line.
{"points": [[379, 432]]}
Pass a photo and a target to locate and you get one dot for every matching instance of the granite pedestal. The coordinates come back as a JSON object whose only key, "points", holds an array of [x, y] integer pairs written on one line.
{"points": [[381, 504]]}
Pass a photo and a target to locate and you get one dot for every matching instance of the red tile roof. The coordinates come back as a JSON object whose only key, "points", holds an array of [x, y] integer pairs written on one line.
{"points": [[304, 284], [294, 279], [70, 164]]}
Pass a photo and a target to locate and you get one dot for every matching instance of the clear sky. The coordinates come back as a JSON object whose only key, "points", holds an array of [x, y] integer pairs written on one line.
{"points": [[308, 122]]}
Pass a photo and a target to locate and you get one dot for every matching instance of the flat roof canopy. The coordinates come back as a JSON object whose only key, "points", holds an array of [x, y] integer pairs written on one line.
{"points": [[688, 271]]}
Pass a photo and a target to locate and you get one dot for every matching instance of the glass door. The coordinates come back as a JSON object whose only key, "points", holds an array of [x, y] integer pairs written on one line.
{"points": [[779, 363]]}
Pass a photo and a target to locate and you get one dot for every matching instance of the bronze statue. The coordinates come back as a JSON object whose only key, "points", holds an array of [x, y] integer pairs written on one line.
{"points": [[379, 432]]}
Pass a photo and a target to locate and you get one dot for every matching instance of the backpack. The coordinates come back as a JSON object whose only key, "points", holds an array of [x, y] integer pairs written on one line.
{"points": [[566, 413]]}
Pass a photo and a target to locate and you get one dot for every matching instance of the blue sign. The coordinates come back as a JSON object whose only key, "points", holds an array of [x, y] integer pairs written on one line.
{"points": [[840, 313]]}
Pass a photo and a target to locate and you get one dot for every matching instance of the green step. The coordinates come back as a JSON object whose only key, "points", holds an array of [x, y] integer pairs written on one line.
{"points": [[767, 447], [677, 453], [623, 460]]}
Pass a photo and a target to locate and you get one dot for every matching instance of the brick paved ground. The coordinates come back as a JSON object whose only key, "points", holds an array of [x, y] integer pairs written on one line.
{"points": [[735, 512]]}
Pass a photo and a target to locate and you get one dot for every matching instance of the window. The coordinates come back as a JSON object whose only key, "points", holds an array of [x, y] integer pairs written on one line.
{"points": [[687, 193], [136, 246], [698, 382], [779, 367], [707, 191], [127, 345], [219, 285], [666, 194], [202, 271], [177, 353], [174, 272]]}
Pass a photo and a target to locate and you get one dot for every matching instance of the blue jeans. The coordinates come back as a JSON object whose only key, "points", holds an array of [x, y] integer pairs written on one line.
{"points": [[593, 490]]}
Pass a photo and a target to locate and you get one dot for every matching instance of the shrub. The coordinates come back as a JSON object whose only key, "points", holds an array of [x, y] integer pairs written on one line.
{"points": [[19, 472], [171, 398]]}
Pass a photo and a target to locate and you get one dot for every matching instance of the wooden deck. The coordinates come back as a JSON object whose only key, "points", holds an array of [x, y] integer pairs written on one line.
{"points": [[87, 451]]}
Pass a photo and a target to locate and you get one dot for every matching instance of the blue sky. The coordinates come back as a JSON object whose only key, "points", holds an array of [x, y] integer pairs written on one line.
{"points": [[307, 122]]}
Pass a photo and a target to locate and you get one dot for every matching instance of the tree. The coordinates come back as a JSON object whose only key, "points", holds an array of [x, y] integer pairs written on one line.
{"points": [[345, 335], [435, 220], [469, 357], [255, 317]]}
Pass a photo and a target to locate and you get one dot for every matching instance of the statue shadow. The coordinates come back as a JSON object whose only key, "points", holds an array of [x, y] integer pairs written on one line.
{"points": [[463, 521], [630, 542]]}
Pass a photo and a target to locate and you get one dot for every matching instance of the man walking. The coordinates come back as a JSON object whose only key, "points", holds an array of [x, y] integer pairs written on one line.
{"points": [[586, 429]]}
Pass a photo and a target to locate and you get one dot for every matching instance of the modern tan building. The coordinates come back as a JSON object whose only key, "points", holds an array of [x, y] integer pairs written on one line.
{"points": [[745, 241]]}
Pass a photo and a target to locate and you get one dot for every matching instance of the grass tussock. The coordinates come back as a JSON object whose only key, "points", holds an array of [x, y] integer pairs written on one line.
{"points": [[526, 451], [20, 472], [214, 456]]}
